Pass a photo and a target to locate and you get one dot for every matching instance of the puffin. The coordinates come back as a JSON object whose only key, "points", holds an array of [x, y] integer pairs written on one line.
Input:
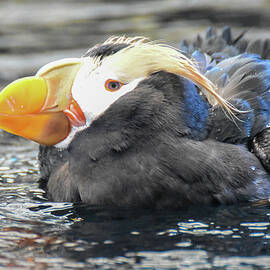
{"points": [[139, 124]]}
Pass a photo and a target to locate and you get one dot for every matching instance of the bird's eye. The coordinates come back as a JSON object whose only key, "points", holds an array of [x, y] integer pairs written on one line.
{"points": [[113, 85]]}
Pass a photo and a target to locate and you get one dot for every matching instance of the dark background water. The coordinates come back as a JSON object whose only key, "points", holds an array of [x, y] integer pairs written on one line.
{"points": [[37, 234]]}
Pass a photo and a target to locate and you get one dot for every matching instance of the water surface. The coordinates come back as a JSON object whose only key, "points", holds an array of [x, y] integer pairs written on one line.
{"points": [[35, 232]]}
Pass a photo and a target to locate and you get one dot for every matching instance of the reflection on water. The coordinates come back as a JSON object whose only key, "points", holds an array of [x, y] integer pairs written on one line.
{"points": [[37, 234]]}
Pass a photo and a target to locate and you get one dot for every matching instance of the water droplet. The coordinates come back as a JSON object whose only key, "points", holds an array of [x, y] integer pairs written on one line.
{"points": [[108, 242], [184, 244], [4, 168], [135, 233]]}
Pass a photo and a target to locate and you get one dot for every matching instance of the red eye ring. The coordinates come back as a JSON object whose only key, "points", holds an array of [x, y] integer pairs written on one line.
{"points": [[113, 85]]}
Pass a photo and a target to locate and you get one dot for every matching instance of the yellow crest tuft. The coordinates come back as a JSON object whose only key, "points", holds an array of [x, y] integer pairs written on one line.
{"points": [[142, 58], [125, 40]]}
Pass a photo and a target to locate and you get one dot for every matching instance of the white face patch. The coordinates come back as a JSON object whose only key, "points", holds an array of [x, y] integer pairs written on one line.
{"points": [[89, 92]]}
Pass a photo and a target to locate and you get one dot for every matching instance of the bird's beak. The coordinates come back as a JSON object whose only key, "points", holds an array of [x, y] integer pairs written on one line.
{"points": [[41, 108]]}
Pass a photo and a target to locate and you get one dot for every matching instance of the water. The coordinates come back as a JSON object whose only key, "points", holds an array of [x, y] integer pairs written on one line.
{"points": [[46, 235], [38, 234]]}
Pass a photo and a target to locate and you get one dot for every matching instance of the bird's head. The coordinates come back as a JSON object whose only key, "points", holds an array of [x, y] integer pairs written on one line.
{"points": [[66, 96]]}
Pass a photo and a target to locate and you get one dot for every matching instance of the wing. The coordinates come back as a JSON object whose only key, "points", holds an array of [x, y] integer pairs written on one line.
{"points": [[241, 70], [224, 45]]}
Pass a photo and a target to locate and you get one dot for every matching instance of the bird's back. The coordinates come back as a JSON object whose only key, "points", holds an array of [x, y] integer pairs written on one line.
{"points": [[241, 71]]}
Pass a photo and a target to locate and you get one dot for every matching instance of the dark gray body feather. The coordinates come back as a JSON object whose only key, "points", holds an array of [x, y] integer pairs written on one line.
{"points": [[163, 146]]}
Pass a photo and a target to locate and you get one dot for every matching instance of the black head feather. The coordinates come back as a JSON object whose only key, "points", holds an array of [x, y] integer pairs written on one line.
{"points": [[104, 50]]}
